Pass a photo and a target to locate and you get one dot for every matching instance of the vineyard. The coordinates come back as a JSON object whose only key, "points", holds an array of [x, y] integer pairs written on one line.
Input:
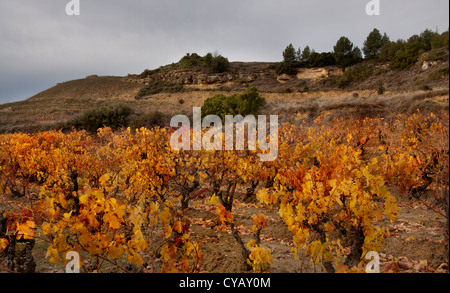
{"points": [[127, 202]]}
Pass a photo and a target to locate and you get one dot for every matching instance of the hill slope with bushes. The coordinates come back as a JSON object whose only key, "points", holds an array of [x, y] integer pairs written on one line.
{"points": [[390, 70]]}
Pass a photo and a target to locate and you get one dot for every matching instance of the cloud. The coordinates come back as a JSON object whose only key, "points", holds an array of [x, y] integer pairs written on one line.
{"points": [[41, 45]]}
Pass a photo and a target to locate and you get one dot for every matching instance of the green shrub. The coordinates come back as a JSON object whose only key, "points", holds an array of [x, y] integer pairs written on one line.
{"points": [[159, 87], [293, 60], [403, 59], [149, 120], [285, 68], [208, 59], [290, 62], [437, 55], [389, 50], [440, 41], [238, 104], [220, 105], [426, 87], [358, 73], [403, 54], [321, 59], [438, 74], [344, 81], [148, 72], [216, 64], [114, 117], [219, 64], [380, 88], [249, 102], [408, 53], [191, 60]]}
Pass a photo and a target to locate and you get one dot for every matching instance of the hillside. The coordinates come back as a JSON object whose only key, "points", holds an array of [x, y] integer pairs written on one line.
{"points": [[175, 89]]}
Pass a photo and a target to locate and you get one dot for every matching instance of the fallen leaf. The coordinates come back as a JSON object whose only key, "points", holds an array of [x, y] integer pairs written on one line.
{"points": [[443, 268], [421, 266], [391, 267], [341, 268], [403, 266]]}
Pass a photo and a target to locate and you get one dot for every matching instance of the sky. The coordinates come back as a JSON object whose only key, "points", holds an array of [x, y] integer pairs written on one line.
{"points": [[40, 45]]}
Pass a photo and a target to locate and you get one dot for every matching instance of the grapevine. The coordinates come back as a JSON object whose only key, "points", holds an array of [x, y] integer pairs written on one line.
{"points": [[122, 199]]}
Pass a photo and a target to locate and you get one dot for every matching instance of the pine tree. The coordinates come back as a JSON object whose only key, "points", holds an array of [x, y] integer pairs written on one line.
{"points": [[345, 53], [373, 44], [289, 54], [306, 54]]}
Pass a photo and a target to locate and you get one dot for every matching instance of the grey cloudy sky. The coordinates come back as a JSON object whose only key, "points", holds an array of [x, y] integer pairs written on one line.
{"points": [[40, 45]]}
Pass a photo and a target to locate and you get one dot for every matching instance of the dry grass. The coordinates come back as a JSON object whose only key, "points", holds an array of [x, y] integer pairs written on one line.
{"points": [[297, 107]]}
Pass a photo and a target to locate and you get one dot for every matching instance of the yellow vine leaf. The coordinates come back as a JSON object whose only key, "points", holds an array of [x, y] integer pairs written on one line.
{"points": [[214, 200], [167, 232], [251, 244], [115, 251], [103, 180], [113, 220], [189, 248], [391, 208], [178, 227], [52, 252], [184, 264], [46, 229], [225, 216], [84, 199], [134, 258], [26, 230], [3, 244], [165, 216], [154, 207], [260, 258], [263, 196], [139, 241]]}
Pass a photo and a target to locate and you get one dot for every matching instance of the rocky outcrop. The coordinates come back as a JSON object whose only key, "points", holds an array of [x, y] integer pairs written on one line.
{"points": [[92, 76], [428, 64], [240, 73], [188, 77], [283, 78]]}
